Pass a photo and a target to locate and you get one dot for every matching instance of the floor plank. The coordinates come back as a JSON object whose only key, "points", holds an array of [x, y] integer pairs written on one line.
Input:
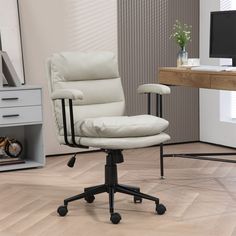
{"points": [[200, 196]]}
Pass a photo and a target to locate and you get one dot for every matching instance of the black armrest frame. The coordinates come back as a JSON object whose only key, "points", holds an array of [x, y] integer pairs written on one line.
{"points": [[159, 113], [159, 109], [73, 144]]}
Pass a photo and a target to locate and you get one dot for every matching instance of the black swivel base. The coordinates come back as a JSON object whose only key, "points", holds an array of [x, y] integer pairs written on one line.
{"points": [[111, 186]]}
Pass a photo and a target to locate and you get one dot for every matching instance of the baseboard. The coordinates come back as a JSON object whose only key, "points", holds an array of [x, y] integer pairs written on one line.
{"points": [[219, 145], [179, 143]]}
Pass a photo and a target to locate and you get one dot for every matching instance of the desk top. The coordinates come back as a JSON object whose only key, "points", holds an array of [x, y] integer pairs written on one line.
{"points": [[223, 80]]}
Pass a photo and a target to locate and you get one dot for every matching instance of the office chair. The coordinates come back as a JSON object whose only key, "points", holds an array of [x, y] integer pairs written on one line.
{"points": [[89, 105]]}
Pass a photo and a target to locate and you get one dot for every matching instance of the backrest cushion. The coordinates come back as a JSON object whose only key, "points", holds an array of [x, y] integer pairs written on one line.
{"points": [[71, 66], [96, 75]]}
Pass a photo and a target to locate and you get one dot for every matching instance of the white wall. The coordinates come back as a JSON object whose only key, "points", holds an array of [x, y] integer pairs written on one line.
{"points": [[211, 128], [50, 26]]}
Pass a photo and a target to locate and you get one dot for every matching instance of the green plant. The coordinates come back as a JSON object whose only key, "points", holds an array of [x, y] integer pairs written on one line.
{"points": [[181, 33]]}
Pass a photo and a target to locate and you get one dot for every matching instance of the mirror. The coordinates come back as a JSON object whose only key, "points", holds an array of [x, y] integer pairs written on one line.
{"points": [[10, 35]]}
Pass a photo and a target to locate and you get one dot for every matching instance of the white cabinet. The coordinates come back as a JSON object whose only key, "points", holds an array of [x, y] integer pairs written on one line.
{"points": [[21, 118]]}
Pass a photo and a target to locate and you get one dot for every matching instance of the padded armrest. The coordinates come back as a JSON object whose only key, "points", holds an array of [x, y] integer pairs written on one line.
{"points": [[73, 94], [154, 88]]}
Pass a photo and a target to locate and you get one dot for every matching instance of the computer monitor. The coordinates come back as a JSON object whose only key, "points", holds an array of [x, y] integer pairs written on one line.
{"points": [[223, 35]]}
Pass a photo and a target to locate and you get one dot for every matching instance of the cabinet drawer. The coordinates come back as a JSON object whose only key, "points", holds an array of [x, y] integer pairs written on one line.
{"points": [[19, 98], [18, 115]]}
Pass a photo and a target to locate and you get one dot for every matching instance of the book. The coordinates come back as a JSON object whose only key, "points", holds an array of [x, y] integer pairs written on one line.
{"points": [[6, 160], [11, 162]]}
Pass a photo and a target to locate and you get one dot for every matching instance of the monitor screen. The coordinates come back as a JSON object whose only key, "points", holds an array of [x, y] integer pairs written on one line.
{"points": [[223, 34]]}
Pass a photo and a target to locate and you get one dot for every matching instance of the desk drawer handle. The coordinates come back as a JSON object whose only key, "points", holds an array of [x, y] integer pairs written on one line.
{"points": [[13, 115], [9, 99]]}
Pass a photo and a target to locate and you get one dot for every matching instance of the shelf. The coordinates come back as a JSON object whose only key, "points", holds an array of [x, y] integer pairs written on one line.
{"points": [[26, 165]]}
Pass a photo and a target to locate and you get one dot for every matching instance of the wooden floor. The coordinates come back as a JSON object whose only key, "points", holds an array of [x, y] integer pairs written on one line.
{"points": [[200, 197]]}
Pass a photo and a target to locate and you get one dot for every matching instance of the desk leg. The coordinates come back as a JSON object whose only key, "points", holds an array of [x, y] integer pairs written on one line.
{"points": [[204, 156], [162, 161]]}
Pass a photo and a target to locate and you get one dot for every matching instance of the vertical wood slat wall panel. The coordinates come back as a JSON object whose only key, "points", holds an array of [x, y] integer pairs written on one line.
{"points": [[144, 27]]}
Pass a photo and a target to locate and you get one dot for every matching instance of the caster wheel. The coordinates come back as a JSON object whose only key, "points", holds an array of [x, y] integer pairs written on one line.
{"points": [[115, 218], [160, 209], [89, 199], [137, 199], [62, 210]]}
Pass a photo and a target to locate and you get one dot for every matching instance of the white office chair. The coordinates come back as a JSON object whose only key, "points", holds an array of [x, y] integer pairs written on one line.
{"points": [[89, 106]]}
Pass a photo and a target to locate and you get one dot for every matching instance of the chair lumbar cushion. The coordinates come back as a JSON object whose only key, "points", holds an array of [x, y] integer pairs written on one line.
{"points": [[121, 126]]}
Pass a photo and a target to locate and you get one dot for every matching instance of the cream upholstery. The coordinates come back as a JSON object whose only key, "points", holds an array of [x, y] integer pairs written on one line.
{"points": [[154, 88], [121, 126], [121, 143], [73, 94], [72, 66], [97, 78], [92, 81]]}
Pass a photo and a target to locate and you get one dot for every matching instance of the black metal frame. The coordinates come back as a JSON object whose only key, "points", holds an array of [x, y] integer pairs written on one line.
{"points": [[159, 113], [199, 156], [204, 156], [71, 114], [111, 185]]}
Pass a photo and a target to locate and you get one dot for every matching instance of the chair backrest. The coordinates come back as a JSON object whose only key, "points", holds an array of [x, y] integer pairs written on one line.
{"points": [[96, 75]]}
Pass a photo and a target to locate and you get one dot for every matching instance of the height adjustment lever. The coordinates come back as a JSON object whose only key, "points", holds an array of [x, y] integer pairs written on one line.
{"points": [[72, 160]]}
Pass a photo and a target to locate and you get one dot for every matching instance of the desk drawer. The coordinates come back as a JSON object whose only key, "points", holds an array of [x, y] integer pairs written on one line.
{"points": [[18, 115], [19, 98]]}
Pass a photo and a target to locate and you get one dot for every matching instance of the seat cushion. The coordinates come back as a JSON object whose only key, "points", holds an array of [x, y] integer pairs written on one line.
{"points": [[121, 126], [120, 143]]}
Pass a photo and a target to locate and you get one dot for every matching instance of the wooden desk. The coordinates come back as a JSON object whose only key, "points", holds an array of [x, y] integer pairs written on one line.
{"points": [[225, 80], [199, 79]]}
